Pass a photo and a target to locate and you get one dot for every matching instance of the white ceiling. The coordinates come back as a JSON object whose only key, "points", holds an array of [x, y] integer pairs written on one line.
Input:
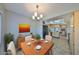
{"points": [[49, 10]]}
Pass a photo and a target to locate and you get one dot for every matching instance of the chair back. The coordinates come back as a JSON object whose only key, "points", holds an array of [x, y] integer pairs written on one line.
{"points": [[28, 38], [11, 48], [48, 37]]}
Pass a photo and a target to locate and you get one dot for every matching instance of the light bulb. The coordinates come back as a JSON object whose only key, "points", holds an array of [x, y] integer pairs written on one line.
{"points": [[35, 14], [38, 18], [33, 17], [41, 15]]}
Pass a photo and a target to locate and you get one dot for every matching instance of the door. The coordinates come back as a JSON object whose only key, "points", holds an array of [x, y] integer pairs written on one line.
{"points": [[45, 30]]}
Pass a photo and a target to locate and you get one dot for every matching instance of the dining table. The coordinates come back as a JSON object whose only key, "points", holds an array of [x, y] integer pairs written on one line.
{"points": [[29, 48]]}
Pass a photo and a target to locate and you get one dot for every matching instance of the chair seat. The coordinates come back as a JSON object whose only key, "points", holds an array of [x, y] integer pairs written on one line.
{"points": [[19, 52]]}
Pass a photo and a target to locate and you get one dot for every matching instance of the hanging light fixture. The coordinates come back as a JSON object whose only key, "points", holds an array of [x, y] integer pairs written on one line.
{"points": [[36, 15]]}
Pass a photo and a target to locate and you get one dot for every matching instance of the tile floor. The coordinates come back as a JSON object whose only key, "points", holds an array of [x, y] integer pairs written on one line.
{"points": [[61, 46], [1, 50]]}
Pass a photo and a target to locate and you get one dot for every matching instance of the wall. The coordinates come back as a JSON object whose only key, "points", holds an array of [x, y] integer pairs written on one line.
{"points": [[76, 32], [14, 19], [0, 28], [39, 28], [0, 21], [3, 26]]}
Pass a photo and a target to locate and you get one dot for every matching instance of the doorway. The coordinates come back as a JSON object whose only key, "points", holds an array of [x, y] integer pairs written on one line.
{"points": [[45, 30]]}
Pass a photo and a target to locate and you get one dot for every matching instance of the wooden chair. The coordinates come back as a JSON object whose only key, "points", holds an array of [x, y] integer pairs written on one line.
{"points": [[19, 40]]}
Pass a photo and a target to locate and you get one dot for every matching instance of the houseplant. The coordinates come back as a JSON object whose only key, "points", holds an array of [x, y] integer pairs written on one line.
{"points": [[7, 39], [37, 37], [38, 46]]}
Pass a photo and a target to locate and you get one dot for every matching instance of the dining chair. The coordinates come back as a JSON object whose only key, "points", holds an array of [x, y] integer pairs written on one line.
{"points": [[28, 38], [20, 39], [48, 37], [12, 50]]}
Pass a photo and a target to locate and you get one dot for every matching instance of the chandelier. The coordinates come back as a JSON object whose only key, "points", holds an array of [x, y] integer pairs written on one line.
{"points": [[37, 16]]}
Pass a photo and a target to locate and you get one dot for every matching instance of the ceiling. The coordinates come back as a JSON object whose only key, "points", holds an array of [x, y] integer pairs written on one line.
{"points": [[49, 10]]}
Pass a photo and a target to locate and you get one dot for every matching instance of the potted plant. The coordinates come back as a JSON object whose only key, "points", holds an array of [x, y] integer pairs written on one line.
{"points": [[7, 39], [37, 37]]}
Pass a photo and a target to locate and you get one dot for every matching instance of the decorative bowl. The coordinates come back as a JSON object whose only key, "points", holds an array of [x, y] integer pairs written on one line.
{"points": [[38, 47], [28, 43], [46, 41]]}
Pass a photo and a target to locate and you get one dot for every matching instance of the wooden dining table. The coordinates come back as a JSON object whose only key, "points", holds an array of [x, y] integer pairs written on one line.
{"points": [[30, 49]]}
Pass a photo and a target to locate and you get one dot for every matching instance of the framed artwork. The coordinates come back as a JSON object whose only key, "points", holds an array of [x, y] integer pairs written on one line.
{"points": [[24, 28]]}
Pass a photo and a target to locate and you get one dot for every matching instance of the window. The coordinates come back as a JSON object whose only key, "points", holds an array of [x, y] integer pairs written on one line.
{"points": [[60, 21]]}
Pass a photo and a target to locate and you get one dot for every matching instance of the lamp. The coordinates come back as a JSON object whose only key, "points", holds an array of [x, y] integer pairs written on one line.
{"points": [[36, 15]]}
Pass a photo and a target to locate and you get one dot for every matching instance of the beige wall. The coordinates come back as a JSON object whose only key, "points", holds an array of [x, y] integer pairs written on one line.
{"points": [[76, 32]]}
